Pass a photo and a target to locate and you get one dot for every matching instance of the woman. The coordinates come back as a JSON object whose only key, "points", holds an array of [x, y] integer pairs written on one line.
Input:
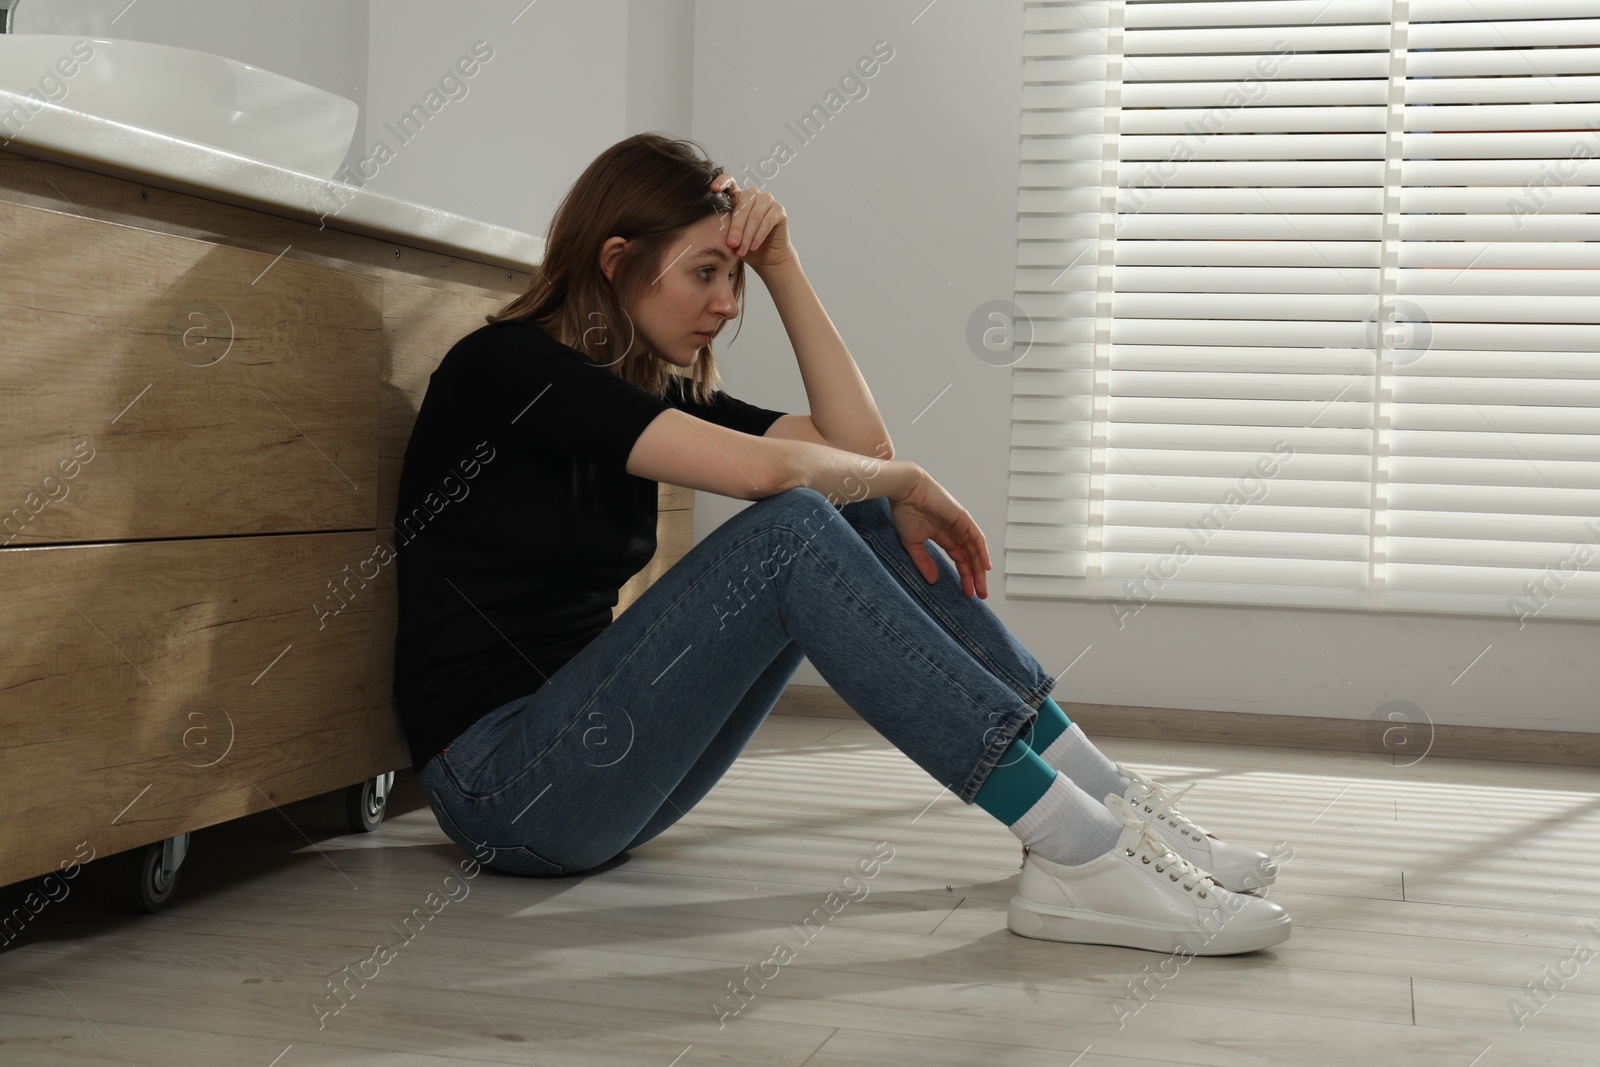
{"points": [[551, 739]]}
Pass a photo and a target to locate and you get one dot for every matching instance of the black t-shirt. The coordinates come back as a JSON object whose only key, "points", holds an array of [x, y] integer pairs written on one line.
{"points": [[517, 521]]}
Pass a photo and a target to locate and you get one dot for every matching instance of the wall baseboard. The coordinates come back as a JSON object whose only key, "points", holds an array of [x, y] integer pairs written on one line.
{"points": [[1402, 741]]}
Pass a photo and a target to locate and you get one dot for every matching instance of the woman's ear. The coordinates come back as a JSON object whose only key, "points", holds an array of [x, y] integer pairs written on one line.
{"points": [[610, 252]]}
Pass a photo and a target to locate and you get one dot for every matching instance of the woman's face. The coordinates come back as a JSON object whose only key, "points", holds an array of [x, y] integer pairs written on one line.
{"points": [[691, 296]]}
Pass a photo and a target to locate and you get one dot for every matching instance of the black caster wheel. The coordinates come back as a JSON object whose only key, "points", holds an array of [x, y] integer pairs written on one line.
{"points": [[364, 804], [155, 873]]}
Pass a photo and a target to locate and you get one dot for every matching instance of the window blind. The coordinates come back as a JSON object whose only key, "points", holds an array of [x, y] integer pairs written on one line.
{"points": [[1315, 291]]}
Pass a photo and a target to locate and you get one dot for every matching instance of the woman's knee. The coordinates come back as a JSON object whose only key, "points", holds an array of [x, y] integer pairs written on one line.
{"points": [[801, 508], [801, 496], [868, 514]]}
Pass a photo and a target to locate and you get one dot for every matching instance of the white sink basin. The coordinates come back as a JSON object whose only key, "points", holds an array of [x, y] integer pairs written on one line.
{"points": [[176, 92]]}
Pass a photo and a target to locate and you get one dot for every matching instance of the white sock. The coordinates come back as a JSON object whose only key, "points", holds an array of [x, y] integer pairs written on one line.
{"points": [[1067, 825], [1075, 756]]}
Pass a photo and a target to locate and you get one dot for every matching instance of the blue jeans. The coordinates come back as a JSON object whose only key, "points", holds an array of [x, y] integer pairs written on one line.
{"points": [[634, 730]]}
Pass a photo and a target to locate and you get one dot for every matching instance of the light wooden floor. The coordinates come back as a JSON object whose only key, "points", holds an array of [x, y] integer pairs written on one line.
{"points": [[1423, 898]]}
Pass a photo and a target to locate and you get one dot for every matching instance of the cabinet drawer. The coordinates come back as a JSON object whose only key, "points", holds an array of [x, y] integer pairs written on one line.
{"points": [[154, 386], [153, 688]]}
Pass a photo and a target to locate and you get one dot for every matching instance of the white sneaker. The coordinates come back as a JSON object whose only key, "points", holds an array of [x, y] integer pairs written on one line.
{"points": [[1141, 894], [1235, 867]]}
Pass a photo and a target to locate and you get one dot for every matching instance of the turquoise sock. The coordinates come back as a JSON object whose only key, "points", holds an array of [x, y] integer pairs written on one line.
{"points": [[1016, 783], [1051, 724]]}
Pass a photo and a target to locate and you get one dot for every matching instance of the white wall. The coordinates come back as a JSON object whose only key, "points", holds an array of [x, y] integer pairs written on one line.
{"points": [[901, 263], [567, 81], [904, 211], [661, 39], [313, 41], [551, 99]]}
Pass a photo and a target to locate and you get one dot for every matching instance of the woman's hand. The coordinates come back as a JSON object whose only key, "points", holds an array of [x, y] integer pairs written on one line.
{"points": [[758, 229], [927, 512]]}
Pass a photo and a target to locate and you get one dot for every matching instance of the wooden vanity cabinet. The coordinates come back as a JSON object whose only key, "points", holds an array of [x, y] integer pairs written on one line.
{"points": [[203, 410]]}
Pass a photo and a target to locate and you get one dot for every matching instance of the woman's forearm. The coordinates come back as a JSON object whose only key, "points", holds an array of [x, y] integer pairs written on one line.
{"points": [[843, 476], [841, 404]]}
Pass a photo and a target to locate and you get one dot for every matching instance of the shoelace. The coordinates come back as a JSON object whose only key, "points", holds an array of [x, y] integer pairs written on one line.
{"points": [[1165, 799], [1158, 852]]}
